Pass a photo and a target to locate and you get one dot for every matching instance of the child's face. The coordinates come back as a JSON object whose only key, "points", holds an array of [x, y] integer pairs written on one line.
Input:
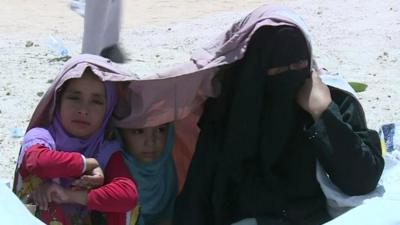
{"points": [[145, 144], [83, 106]]}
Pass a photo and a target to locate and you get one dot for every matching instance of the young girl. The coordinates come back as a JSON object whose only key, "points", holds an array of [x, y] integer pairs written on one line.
{"points": [[148, 154], [64, 153]]}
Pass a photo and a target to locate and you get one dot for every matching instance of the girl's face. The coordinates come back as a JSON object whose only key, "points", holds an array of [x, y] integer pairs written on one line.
{"points": [[83, 106], [145, 144]]}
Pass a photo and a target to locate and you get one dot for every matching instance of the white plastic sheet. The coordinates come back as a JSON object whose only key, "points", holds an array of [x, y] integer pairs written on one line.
{"points": [[380, 207], [12, 210]]}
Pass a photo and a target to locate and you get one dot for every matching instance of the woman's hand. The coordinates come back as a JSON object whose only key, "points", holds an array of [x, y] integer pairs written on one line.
{"points": [[314, 97], [50, 192]]}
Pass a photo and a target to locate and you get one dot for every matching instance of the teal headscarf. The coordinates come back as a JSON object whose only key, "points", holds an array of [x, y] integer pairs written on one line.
{"points": [[157, 183]]}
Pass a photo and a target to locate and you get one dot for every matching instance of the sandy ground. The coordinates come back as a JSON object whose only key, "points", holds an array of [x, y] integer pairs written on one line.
{"points": [[360, 40]]}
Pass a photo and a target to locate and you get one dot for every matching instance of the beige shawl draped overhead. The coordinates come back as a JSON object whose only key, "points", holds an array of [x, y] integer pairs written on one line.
{"points": [[177, 94]]}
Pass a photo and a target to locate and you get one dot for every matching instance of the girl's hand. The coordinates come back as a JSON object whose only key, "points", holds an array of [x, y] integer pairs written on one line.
{"points": [[61, 195], [50, 192], [58, 194], [314, 97], [94, 179], [40, 198]]}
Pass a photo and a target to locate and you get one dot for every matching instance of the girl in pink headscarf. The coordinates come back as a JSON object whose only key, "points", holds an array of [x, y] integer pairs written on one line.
{"points": [[66, 165]]}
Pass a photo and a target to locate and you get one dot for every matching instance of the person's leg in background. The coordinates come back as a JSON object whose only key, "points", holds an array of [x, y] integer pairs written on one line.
{"points": [[101, 29]]}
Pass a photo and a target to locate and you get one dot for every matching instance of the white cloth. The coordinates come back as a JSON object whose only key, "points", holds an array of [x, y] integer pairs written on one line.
{"points": [[247, 221], [12, 210], [377, 211], [335, 80], [337, 201], [383, 204]]}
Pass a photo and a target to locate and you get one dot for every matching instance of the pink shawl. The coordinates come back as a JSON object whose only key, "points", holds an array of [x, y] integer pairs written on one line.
{"points": [[178, 94]]}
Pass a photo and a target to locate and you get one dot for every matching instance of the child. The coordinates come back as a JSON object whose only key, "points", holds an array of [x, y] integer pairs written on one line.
{"points": [[65, 146], [148, 154]]}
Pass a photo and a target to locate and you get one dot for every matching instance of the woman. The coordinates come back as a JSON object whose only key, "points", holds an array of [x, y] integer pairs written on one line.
{"points": [[261, 137]]}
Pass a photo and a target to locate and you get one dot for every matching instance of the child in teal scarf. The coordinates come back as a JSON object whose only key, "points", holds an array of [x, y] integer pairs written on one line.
{"points": [[148, 154]]}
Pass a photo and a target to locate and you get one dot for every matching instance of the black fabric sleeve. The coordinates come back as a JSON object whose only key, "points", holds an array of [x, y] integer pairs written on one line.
{"points": [[346, 148]]}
